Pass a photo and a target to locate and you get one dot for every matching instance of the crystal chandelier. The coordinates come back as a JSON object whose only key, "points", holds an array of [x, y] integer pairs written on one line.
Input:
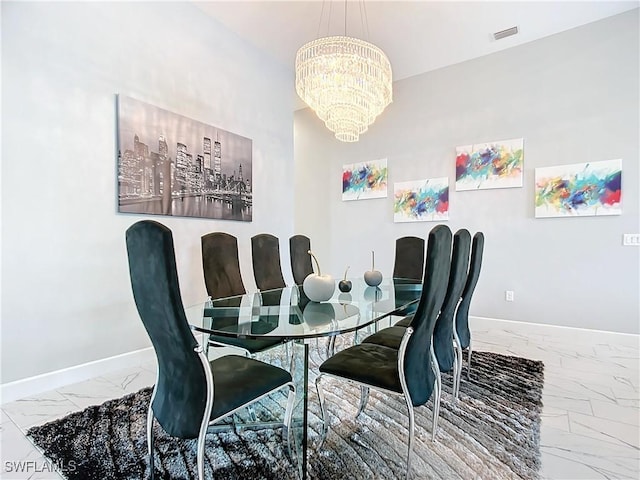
{"points": [[346, 81]]}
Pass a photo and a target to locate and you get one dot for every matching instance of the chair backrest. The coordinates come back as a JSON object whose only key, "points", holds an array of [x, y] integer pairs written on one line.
{"points": [[265, 253], [181, 389], [221, 265], [409, 261], [418, 373], [443, 331], [462, 315], [301, 266]]}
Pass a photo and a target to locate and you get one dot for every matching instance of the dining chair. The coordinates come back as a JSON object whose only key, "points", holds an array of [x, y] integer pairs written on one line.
{"points": [[407, 371], [409, 264], [443, 353], [301, 266], [222, 278], [183, 400], [265, 256], [462, 334], [221, 265], [443, 333], [409, 258]]}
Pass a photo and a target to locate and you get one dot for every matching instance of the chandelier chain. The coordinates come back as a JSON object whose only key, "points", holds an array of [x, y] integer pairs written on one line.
{"points": [[345, 80], [320, 21], [365, 19], [345, 18]]}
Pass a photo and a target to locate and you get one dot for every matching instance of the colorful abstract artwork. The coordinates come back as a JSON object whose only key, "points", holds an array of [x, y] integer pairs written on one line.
{"points": [[581, 189], [490, 165], [364, 180], [421, 200]]}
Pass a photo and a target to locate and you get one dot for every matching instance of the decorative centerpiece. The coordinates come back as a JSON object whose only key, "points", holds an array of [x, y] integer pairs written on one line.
{"points": [[318, 287], [345, 285], [373, 277]]}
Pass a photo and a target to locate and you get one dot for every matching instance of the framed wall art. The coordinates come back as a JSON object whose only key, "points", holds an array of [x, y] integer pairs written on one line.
{"points": [[490, 165], [169, 164], [421, 200], [580, 189], [361, 181]]}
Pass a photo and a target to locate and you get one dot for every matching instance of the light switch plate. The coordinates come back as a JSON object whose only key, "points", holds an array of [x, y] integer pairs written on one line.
{"points": [[631, 239]]}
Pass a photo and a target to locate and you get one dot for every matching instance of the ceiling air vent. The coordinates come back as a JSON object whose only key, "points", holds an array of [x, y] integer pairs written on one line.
{"points": [[505, 33]]}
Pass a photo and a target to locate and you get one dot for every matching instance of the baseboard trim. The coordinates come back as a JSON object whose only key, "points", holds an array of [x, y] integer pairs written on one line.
{"points": [[624, 338], [49, 381], [26, 387]]}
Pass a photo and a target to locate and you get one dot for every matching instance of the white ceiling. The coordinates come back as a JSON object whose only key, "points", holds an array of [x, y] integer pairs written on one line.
{"points": [[417, 36]]}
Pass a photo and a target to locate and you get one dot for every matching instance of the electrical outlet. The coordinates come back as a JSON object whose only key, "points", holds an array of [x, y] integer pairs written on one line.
{"points": [[631, 239], [508, 295]]}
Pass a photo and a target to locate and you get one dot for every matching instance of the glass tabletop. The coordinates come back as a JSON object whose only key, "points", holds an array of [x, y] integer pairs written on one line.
{"points": [[287, 313]]}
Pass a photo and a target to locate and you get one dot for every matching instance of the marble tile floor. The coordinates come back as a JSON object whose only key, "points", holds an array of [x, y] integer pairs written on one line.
{"points": [[590, 421]]}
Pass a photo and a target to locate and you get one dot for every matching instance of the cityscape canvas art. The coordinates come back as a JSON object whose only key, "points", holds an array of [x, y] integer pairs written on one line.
{"points": [[421, 200], [581, 189], [490, 165], [169, 164], [364, 180]]}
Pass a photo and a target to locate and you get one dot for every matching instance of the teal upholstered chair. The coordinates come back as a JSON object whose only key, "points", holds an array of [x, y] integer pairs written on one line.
{"points": [[265, 256], [408, 370], [183, 400], [462, 332], [409, 264], [443, 355], [301, 266], [409, 258], [222, 277]]}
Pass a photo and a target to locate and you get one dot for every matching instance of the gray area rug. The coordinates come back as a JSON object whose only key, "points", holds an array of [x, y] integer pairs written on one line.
{"points": [[492, 432]]}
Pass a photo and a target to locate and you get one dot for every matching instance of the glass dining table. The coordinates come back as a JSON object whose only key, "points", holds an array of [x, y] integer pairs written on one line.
{"points": [[287, 314]]}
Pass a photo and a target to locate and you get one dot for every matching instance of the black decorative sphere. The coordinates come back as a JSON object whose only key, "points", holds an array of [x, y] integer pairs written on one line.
{"points": [[344, 285]]}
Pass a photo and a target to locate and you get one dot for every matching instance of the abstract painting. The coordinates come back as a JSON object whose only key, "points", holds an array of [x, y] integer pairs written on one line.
{"points": [[490, 165], [421, 200], [581, 189], [172, 165], [364, 180]]}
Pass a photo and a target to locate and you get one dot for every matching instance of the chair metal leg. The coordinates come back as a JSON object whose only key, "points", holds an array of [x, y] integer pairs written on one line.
{"points": [[292, 361], [150, 418], [331, 346], [469, 362], [200, 457], [364, 398], [458, 372], [150, 439], [437, 391], [288, 414], [284, 355], [323, 411], [454, 376], [411, 429], [250, 408], [207, 411]]}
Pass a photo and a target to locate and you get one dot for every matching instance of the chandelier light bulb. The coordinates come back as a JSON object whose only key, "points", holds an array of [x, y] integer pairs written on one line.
{"points": [[346, 81]]}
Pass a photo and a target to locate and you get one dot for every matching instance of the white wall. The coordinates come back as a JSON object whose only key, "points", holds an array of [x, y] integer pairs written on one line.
{"points": [[66, 296], [574, 97]]}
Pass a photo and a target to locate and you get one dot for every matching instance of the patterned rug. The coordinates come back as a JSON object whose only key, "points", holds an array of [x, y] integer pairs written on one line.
{"points": [[492, 431]]}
